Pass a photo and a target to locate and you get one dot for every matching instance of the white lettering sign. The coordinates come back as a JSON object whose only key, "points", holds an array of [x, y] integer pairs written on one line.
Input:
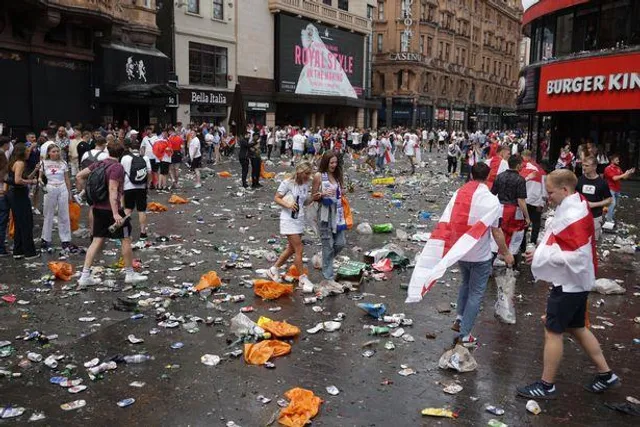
{"points": [[597, 83], [405, 56], [208, 98], [407, 33]]}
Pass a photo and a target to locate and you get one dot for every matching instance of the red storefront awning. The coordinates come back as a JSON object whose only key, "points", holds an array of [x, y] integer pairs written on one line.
{"points": [[544, 7]]}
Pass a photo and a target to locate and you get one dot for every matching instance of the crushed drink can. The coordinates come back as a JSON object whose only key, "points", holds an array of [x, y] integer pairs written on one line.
{"points": [[34, 357], [237, 298], [247, 309], [126, 402], [76, 404], [494, 410], [310, 300]]}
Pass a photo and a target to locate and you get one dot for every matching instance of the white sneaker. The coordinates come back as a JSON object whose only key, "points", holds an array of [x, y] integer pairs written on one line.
{"points": [[305, 284], [36, 211], [88, 281], [134, 277], [273, 274]]}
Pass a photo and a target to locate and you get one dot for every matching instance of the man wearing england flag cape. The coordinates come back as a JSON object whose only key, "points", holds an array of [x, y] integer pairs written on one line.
{"points": [[463, 235], [566, 257]]}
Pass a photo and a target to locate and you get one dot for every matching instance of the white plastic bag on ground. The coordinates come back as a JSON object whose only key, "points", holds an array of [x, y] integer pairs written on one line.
{"points": [[316, 261], [608, 287], [364, 228], [459, 359], [505, 307]]}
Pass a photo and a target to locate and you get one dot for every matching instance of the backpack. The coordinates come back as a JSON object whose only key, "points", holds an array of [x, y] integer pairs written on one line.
{"points": [[91, 159], [138, 171], [97, 189]]}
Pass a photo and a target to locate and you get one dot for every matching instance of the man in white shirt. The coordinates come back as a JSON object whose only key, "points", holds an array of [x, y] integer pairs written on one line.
{"points": [[298, 147], [146, 149], [409, 149], [195, 155], [136, 182]]}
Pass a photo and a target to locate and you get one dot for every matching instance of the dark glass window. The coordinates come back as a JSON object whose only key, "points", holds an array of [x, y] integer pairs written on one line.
{"points": [[207, 64], [343, 4], [564, 35], [585, 27], [614, 24]]}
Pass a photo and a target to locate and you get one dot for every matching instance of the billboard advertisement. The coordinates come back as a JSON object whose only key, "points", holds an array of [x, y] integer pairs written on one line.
{"points": [[314, 59], [604, 83]]}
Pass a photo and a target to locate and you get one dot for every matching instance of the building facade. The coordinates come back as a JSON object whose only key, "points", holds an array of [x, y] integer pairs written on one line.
{"points": [[82, 61], [446, 63], [583, 79], [305, 62], [200, 38]]}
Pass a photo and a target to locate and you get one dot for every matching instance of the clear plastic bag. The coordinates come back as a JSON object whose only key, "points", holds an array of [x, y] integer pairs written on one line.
{"points": [[505, 306]]}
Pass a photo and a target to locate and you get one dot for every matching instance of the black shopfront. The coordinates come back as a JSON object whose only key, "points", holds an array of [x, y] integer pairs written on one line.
{"points": [[132, 83], [210, 106]]}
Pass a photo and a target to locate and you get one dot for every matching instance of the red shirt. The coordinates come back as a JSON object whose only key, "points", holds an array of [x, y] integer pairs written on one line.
{"points": [[609, 172]]}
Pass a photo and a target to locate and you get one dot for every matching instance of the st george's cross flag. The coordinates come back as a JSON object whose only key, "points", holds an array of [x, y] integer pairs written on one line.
{"points": [[512, 226], [467, 218], [567, 255], [534, 177], [497, 165]]}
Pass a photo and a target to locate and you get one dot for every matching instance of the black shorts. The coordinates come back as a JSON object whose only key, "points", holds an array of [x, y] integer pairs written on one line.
{"points": [[103, 219], [136, 198], [196, 163], [155, 165], [176, 158], [566, 310], [164, 168]]}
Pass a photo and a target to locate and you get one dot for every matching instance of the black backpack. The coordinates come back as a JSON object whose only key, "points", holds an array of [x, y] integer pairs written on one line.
{"points": [[97, 189], [138, 172], [91, 159]]}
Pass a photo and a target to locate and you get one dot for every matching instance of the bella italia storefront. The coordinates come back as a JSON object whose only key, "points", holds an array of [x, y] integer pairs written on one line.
{"points": [[198, 106]]}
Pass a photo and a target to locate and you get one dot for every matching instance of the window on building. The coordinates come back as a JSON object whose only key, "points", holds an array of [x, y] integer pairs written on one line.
{"points": [[447, 52], [423, 10], [495, 67], [380, 11], [405, 9], [399, 78], [441, 50], [327, 2], [421, 47], [585, 26], [432, 13], [218, 9], [430, 46], [443, 19], [457, 58], [369, 11], [614, 24], [476, 5], [564, 34], [404, 42], [207, 64], [193, 6], [147, 3], [464, 57], [343, 5], [473, 60], [476, 34], [379, 43]]}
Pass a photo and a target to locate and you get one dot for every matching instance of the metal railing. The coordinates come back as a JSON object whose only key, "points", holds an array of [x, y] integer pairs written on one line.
{"points": [[330, 15]]}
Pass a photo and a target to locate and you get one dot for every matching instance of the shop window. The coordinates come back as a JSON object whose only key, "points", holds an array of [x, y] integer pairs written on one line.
{"points": [[585, 35], [614, 24], [379, 43], [57, 35], [81, 37], [343, 5], [380, 11], [207, 65], [193, 6], [218, 9], [564, 35]]}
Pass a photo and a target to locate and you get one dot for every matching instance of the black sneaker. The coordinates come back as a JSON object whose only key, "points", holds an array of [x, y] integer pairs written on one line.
{"points": [[456, 325], [143, 236], [600, 384], [34, 256], [537, 390]]}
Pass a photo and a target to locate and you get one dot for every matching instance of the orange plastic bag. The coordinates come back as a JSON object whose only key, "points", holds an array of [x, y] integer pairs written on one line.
{"points": [[271, 290], [74, 215], [348, 215], [264, 174], [260, 353], [281, 329], [156, 207], [62, 270], [175, 199], [12, 226], [224, 174], [208, 280], [377, 195], [303, 405], [293, 272]]}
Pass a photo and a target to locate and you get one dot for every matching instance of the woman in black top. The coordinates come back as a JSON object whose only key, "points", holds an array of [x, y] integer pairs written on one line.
{"points": [[19, 203]]}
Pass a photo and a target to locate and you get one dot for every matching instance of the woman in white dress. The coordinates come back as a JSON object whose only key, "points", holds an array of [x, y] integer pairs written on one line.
{"points": [[293, 195]]}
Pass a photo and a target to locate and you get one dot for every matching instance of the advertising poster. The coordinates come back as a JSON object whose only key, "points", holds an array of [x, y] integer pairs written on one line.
{"points": [[314, 59]]}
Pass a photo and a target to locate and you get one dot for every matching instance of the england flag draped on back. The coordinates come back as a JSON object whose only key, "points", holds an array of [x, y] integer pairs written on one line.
{"points": [[567, 253], [467, 217]]}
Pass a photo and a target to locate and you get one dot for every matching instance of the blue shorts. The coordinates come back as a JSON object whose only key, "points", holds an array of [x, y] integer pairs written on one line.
{"points": [[298, 152]]}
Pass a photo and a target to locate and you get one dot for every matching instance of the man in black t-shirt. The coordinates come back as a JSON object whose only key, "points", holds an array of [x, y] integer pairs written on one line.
{"points": [[595, 190]]}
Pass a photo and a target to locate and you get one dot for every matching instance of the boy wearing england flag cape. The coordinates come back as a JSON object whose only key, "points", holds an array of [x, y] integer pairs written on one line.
{"points": [[566, 257]]}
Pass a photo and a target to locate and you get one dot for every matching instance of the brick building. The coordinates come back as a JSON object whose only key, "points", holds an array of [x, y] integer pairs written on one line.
{"points": [[446, 63]]}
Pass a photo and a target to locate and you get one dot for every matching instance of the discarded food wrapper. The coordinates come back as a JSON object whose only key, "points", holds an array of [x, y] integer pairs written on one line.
{"points": [[373, 310], [494, 410], [156, 207], [608, 287], [77, 389], [133, 340], [177, 200], [333, 390], [406, 372], [260, 353], [11, 412], [439, 412], [364, 228], [459, 359], [278, 329], [62, 270], [452, 388], [126, 402], [208, 280], [383, 228], [210, 359], [76, 404], [384, 265], [269, 290]]}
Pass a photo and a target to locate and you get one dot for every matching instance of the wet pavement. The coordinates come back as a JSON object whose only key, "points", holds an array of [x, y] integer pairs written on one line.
{"points": [[181, 391]]}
